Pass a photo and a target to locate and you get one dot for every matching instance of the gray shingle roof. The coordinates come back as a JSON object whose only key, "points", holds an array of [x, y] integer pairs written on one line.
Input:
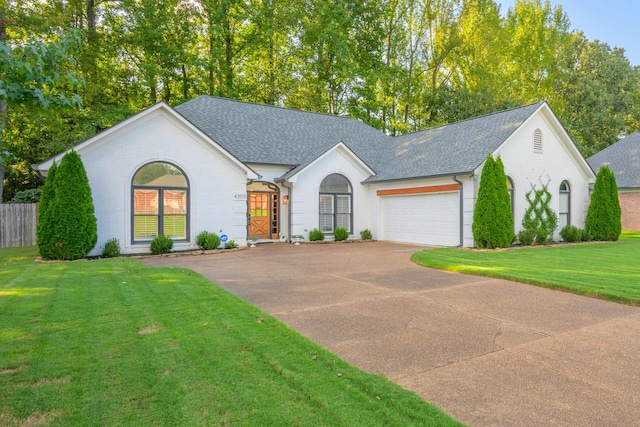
{"points": [[455, 148], [623, 158], [271, 135], [265, 134]]}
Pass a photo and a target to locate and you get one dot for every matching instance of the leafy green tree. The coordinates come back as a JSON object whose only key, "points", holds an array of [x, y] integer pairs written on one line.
{"points": [[74, 232], [598, 94], [46, 221], [492, 219], [538, 38], [603, 216], [35, 73]]}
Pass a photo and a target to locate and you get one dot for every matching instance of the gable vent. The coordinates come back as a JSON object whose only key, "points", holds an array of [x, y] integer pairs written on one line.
{"points": [[537, 141]]}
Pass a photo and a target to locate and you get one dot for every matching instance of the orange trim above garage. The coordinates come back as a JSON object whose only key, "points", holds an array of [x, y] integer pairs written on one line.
{"points": [[419, 190]]}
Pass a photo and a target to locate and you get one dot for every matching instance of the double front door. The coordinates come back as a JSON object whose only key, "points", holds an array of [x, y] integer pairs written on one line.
{"points": [[263, 214]]}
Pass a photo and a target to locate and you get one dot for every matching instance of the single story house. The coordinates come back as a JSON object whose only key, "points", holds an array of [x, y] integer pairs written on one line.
{"points": [[242, 169], [623, 159]]}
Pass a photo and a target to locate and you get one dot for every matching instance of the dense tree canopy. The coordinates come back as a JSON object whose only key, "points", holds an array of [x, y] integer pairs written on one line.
{"points": [[399, 65]]}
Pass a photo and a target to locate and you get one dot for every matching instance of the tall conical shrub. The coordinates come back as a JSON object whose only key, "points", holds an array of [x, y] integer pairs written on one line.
{"points": [[45, 220], [603, 216], [492, 219], [505, 234], [75, 226]]}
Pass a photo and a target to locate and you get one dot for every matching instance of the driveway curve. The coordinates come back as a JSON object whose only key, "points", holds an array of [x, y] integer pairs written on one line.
{"points": [[489, 352]]}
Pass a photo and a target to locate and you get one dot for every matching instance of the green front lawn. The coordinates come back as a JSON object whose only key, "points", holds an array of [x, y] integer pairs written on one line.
{"points": [[605, 270], [112, 342]]}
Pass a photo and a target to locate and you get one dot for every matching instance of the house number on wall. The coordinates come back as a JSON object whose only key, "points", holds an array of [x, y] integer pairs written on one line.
{"points": [[240, 196]]}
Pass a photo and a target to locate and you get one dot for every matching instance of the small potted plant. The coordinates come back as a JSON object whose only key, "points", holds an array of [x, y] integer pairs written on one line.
{"points": [[252, 241], [297, 238]]}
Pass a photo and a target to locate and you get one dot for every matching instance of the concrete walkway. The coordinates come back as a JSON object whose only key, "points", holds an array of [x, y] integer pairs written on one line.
{"points": [[489, 352]]}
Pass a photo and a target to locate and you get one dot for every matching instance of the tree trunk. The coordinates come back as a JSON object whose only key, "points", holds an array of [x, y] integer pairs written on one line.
{"points": [[91, 21]]}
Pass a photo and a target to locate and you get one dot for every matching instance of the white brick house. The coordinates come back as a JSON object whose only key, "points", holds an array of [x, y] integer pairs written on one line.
{"points": [[243, 169]]}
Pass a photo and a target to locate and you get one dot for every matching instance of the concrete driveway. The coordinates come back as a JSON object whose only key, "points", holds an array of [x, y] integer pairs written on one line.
{"points": [[489, 352]]}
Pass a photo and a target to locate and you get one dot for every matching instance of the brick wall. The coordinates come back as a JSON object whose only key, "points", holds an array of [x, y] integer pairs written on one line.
{"points": [[630, 205]]}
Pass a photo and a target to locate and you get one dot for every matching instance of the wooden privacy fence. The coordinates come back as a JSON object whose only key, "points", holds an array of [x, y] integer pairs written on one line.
{"points": [[18, 225]]}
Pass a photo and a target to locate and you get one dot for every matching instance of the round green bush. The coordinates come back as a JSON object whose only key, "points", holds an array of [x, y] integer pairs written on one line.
{"points": [[111, 249], [161, 245], [527, 237], [365, 234], [315, 235], [571, 234], [207, 241], [231, 244], [340, 233]]}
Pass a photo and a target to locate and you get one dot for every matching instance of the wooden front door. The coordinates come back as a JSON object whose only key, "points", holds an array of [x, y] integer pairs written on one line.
{"points": [[261, 213]]}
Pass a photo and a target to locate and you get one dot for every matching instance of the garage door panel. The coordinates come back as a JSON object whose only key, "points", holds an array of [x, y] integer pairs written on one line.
{"points": [[430, 219]]}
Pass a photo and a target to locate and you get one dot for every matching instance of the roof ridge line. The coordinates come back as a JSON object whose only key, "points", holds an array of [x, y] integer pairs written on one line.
{"points": [[276, 107], [472, 118]]}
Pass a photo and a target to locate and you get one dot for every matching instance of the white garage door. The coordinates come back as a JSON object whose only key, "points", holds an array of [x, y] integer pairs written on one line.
{"points": [[430, 219]]}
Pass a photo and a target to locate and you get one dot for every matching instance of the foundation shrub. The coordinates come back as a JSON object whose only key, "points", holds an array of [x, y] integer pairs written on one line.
{"points": [[571, 234], [316, 235], [161, 245], [207, 241], [111, 249], [340, 233], [365, 234]]}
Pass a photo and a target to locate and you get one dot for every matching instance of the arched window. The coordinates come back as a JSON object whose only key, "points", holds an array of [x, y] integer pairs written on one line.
{"points": [[335, 203], [564, 213], [160, 203], [510, 190]]}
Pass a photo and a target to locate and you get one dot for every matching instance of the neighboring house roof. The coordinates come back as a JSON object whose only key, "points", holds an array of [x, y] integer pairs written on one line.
{"points": [[261, 134], [623, 159], [455, 148]]}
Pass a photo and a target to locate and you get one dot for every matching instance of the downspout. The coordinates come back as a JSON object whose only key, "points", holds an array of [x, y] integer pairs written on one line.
{"points": [[455, 178], [289, 188]]}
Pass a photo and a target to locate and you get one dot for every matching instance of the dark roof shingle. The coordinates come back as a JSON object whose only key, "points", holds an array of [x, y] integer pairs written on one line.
{"points": [[263, 134], [623, 159]]}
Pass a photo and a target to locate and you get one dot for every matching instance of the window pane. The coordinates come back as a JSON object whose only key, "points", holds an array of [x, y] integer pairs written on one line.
{"points": [[344, 204], [326, 204], [145, 227], [563, 220], [564, 202], [175, 202], [326, 223], [175, 226], [335, 184], [145, 202], [160, 174], [344, 220]]}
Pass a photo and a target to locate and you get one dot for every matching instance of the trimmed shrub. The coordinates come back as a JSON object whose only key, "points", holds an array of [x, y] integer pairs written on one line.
{"points": [[571, 233], [44, 230], [230, 244], [207, 241], [27, 196], [316, 235], [75, 230], [527, 237], [111, 249], [340, 233], [603, 216], [365, 234], [492, 218], [585, 236], [161, 245]]}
